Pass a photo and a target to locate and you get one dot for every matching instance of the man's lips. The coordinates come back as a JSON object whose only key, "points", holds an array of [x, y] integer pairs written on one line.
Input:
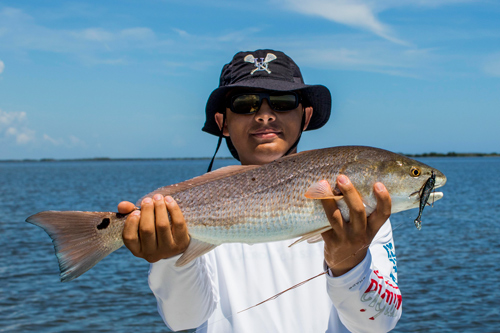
{"points": [[267, 133]]}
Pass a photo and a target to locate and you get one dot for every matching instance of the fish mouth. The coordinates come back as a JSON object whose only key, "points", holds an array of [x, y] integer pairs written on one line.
{"points": [[437, 195], [440, 181]]}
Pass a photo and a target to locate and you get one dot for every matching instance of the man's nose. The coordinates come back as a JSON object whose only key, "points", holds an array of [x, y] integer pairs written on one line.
{"points": [[265, 113]]}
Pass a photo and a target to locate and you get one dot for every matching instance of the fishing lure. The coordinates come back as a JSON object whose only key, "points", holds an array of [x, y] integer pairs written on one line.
{"points": [[424, 197]]}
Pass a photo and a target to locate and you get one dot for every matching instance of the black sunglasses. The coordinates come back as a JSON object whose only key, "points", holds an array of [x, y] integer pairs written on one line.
{"points": [[248, 103]]}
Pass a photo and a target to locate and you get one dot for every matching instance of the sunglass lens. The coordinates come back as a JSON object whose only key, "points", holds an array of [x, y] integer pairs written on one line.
{"points": [[283, 102], [246, 103]]}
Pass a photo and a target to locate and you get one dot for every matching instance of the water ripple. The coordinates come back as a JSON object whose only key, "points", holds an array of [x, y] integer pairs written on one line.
{"points": [[447, 271]]}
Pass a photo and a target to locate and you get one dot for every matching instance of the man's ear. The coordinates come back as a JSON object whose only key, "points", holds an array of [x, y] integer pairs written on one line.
{"points": [[219, 119], [309, 113]]}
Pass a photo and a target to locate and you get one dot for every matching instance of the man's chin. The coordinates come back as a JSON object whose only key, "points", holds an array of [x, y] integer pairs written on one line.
{"points": [[269, 151]]}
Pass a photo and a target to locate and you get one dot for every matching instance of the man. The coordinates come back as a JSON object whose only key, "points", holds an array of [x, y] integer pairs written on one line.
{"points": [[261, 107]]}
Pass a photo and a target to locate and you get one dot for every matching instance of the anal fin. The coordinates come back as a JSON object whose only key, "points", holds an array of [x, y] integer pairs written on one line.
{"points": [[315, 239], [196, 248], [311, 236]]}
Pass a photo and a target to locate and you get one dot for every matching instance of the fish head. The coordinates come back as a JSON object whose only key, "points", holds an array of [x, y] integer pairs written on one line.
{"points": [[405, 181], [403, 177]]}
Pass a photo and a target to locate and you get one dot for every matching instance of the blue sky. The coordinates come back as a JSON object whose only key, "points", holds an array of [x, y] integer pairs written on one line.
{"points": [[131, 78]]}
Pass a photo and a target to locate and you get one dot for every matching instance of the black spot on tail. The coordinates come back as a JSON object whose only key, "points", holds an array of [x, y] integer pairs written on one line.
{"points": [[104, 224]]}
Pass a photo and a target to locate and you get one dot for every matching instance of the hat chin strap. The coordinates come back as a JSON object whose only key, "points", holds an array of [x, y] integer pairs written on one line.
{"points": [[218, 143], [288, 152]]}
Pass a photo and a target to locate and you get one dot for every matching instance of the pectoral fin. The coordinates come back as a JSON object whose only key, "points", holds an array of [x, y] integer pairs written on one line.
{"points": [[195, 249], [313, 236], [321, 190]]}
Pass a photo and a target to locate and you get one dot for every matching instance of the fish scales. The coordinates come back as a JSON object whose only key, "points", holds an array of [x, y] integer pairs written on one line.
{"points": [[253, 202], [249, 204]]}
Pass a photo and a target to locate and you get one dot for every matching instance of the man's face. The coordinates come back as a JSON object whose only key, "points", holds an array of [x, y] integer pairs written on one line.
{"points": [[265, 135]]}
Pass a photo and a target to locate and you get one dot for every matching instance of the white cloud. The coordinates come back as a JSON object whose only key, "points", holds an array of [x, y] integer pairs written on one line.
{"points": [[22, 135], [2, 66], [492, 65], [71, 142], [91, 60], [390, 62], [102, 35], [356, 50], [353, 13], [96, 34], [74, 141], [138, 33], [12, 126], [386, 4], [20, 31], [238, 35], [362, 14], [52, 141], [182, 33], [359, 52], [9, 118]]}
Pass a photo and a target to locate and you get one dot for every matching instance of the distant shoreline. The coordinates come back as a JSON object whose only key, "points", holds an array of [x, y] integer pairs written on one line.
{"points": [[108, 159], [453, 154]]}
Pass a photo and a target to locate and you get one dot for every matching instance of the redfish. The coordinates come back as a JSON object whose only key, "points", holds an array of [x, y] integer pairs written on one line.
{"points": [[249, 203]]}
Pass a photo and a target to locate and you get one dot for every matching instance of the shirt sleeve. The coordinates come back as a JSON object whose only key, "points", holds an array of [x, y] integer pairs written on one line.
{"points": [[367, 298], [186, 295]]}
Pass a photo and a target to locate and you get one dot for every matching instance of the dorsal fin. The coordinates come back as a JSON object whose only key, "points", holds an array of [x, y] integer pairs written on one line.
{"points": [[200, 180]]}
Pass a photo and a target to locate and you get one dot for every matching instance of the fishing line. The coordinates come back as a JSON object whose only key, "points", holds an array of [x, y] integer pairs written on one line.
{"points": [[297, 285], [324, 272], [294, 286]]}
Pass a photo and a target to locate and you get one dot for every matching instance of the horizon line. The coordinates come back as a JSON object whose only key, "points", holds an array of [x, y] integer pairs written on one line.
{"points": [[118, 159]]}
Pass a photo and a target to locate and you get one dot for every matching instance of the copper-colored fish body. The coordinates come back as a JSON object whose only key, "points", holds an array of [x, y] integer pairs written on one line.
{"points": [[254, 204]]}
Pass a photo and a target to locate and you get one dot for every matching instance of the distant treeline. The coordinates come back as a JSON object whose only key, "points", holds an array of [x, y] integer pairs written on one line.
{"points": [[116, 159], [431, 154], [452, 154]]}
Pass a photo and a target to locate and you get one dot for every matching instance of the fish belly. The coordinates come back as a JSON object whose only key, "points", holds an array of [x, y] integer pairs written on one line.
{"points": [[260, 225]]}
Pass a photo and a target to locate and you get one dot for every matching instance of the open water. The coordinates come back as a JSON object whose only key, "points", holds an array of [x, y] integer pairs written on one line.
{"points": [[448, 272]]}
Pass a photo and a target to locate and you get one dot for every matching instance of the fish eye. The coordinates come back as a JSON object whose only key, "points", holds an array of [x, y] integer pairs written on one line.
{"points": [[414, 171]]}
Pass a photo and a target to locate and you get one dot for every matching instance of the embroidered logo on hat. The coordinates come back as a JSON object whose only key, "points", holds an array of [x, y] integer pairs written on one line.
{"points": [[261, 65]]}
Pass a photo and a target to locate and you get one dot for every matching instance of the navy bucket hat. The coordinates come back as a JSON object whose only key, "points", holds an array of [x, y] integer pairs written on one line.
{"points": [[270, 70]]}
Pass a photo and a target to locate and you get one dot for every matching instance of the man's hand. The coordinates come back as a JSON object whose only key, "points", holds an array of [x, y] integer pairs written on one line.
{"points": [[149, 233], [347, 243]]}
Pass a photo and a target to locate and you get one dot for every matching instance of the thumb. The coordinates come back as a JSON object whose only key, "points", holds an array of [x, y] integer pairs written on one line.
{"points": [[126, 207]]}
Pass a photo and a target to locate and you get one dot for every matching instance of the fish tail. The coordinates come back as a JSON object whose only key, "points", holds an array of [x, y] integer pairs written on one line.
{"points": [[81, 239]]}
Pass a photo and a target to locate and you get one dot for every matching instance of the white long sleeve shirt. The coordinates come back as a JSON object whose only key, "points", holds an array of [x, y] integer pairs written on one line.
{"points": [[207, 293]]}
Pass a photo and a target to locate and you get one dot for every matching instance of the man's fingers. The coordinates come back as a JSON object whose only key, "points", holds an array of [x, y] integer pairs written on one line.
{"points": [[357, 213], [163, 232], [130, 233], [333, 214], [147, 230], [328, 236], [125, 207], [383, 210], [179, 227]]}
